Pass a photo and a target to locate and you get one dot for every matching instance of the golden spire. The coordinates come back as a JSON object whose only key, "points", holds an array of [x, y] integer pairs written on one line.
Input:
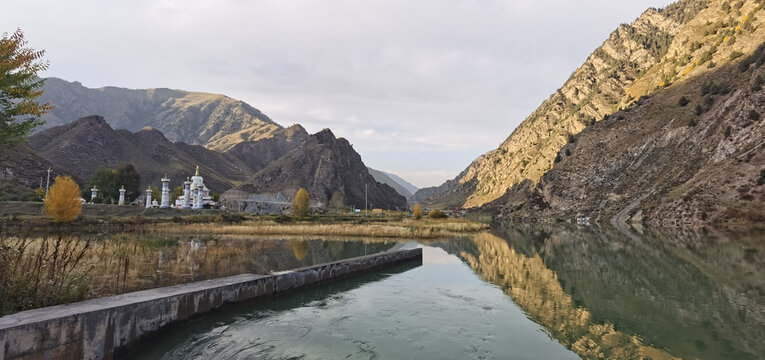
{"points": [[197, 173]]}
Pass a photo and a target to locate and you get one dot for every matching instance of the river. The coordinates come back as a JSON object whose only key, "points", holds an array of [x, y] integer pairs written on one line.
{"points": [[530, 292]]}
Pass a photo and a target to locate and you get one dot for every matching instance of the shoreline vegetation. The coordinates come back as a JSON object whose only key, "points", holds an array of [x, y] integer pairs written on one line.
{"points": [[110, 250], [403, 229]]}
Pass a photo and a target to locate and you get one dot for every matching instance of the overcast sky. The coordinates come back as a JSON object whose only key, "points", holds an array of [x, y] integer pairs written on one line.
{"points": [[420, 87]]}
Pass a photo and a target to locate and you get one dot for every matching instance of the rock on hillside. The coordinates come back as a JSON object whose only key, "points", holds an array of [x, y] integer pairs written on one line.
{"points": [[660, 47], [323, 164], [691, 154], [212, 120], [88, 143]]}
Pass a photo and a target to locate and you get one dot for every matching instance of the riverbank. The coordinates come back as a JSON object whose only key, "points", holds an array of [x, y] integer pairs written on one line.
{"points": [[25, 217], [100, 327]]}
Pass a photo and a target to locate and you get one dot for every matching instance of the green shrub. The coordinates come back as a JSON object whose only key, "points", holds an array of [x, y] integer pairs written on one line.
{"points": [[692, 122], [568, 152], [736, 54], [754, 115], [727, 130], [683, 101], [557, 158]]}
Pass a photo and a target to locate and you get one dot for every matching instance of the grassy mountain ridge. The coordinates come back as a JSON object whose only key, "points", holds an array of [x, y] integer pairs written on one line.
{"points": [[215, 121], [661, 47]]}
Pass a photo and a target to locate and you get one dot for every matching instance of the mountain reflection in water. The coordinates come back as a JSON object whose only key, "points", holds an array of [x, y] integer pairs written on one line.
{"points": [[617, 294]]}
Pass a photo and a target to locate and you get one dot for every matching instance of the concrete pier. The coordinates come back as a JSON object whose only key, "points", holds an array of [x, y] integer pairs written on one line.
{"points": [[95, 329]]}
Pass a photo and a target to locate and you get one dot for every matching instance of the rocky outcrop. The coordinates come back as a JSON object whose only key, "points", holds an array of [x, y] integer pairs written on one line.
{"points": [[212, 120], [323, 165]]}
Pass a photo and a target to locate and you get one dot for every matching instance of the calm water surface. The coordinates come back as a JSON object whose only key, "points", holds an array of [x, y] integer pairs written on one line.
{"points": [[518, 293]]}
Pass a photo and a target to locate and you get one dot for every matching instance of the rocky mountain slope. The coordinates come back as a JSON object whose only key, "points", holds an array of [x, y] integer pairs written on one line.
{"points": [[401, 186], [82, 146], [323, 164], [258, 154], [660, 48], [693, 153], [212, 120], [22, 170]]}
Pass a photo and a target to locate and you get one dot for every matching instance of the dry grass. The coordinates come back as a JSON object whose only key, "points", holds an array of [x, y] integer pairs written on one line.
{"points": [[407, 229]]}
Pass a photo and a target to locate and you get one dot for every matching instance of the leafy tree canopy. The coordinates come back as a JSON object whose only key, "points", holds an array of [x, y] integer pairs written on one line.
{"points": [[109, 181], [19, 88]]}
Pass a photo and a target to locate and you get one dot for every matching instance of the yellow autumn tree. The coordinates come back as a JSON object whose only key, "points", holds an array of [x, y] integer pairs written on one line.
{"points": [[63, 203], [417, 211], [300, 205]]}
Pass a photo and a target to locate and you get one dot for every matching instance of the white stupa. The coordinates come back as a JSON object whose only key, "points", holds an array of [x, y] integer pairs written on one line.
{"points": [[198, 194]]}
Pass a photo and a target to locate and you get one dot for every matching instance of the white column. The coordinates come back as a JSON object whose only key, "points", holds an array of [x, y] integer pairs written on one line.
{"points": [[122, 196], [148, 198], [165, 193], [186, 195], [93, 194], [197, 198]]}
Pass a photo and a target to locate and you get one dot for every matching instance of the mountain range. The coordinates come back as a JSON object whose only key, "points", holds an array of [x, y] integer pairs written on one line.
{"points": [[289, 159]]}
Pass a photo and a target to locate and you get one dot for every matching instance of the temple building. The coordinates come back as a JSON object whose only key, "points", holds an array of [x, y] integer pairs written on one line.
{"points": [[195, 194]]}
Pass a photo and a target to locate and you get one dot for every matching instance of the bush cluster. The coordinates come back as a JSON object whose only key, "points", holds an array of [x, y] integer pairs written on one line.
{"points": [[437, 214]]}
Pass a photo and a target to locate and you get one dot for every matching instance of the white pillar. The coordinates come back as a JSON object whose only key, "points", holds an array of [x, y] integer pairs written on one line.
{"points": [[148, 198], [197, 198], [165, 193], [186, 195], [93, 194], [122, 196]]}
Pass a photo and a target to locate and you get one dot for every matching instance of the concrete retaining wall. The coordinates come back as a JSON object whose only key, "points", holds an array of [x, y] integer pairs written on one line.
{"points": [[94, 329]]}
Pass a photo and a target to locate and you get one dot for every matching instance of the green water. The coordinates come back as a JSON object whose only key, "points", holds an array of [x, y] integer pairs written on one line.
{"points": [[518, 293]]}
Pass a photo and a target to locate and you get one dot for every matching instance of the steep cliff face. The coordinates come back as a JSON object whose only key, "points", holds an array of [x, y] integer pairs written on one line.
{"points": [[324, 164], [660, 47], [693, 153], [212, 120]]}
